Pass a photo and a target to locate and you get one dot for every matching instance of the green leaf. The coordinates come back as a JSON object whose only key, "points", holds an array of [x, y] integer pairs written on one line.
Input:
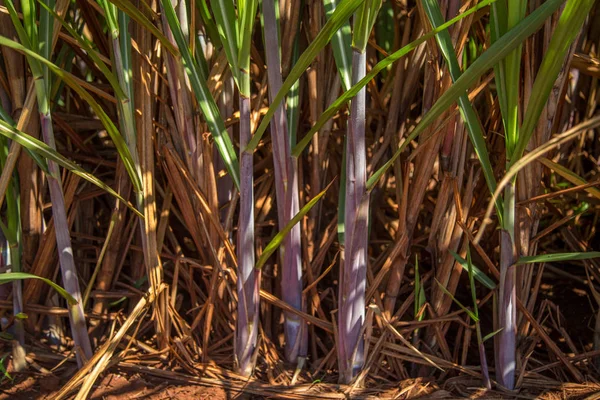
{"points": [[92, 53], [569, 24], [465, 309], [472, 282], [73, 82], [110, 13], [341, 43], [209, 23], [8, 277], [42, 149], [477, 273], [569, 175], [341, 14], [491, 335], [227, 27], [558, 257], [21, 316], [3, 368], [467, 111], [134, 13], [364, 19], [205, 99], [420, 299], [278, 239], [380, 66], [247, 14]]}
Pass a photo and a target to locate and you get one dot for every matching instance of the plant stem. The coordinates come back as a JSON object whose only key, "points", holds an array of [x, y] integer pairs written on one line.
{"points": [[482, 358], [353, 272], [507, 313], [65, 250], [286, 190], [248, 279]]}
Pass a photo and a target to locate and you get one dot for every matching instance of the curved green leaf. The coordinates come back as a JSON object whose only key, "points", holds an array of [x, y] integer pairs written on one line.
{"points": [[558, 257], [8, 277], [74, 84], [42, 149], [278, 239]]}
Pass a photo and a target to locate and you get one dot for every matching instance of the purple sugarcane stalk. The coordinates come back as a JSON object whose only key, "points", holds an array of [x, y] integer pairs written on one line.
{"points": [[286, 191], [353, 272], [507, 313], [248, 280], [65, 250]]}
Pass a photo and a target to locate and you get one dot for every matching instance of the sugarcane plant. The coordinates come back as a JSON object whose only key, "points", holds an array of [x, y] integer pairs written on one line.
{"points": [[40, 39], [505, 16], [353, 272], [12, 236], [286, 193], [236, 35]]}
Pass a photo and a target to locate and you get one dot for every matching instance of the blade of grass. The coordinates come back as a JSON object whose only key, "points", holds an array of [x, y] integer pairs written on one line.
{"points": [[278, 239], [558, 257]]}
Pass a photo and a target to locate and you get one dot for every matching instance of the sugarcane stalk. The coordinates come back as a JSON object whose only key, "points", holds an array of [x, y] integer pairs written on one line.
{"points": [[286, 191]]}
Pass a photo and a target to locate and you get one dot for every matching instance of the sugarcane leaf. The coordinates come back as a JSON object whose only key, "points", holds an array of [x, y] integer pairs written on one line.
{"points": [[477, 273], [280, 236], [247, 14], [420, 299], [91, 52], [110, 13], [488, 59], [465, 309], [8, 277], [381, 66], [472, 282], [208, 22], [74, 84], [364, 19], [3, 368], [224, 11], [293, 101], [341, 44], [497, 29], [132, 10], [205, 99], [491, 335], [558, 257], [42, 149], [569, 24], [569, 175], [467, 111], [21, 316], [341, 14]]}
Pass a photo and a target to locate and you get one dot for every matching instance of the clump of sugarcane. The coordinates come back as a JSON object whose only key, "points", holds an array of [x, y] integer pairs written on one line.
{"points": [[353, 272], [505, 16], [39, 39]]}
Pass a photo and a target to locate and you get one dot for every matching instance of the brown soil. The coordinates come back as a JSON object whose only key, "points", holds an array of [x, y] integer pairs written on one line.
{"points": [[114, 386]]}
